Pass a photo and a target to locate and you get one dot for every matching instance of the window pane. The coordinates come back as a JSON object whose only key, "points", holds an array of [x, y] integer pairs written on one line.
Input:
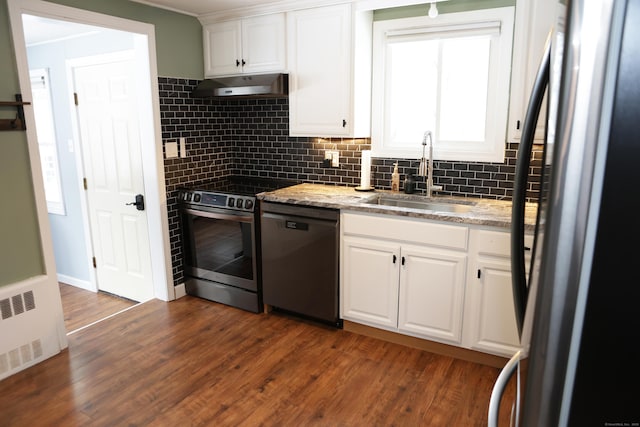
{"points": [[465, 77], [450, 76], [411, 91]]}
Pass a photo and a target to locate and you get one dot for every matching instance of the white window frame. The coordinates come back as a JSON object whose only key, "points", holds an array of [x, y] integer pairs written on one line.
{"points": [[47, 141], [498, 21]]}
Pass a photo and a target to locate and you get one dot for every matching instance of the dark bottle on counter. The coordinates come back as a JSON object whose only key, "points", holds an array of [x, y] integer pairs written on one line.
{"points": [[409, 184]]}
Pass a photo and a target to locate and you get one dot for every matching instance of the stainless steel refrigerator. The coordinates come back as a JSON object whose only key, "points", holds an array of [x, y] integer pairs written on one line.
{"points": [[578, 312]]}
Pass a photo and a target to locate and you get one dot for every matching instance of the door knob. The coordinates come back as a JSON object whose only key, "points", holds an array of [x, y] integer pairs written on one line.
{"points": [[139, 203]]}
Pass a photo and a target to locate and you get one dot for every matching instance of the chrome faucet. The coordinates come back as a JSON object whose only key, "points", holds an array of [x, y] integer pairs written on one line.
{"points": [[423, 170]]}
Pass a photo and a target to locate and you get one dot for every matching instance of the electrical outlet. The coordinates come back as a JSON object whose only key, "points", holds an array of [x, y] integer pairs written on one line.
{"points": [[171, 150], [335, 158]]}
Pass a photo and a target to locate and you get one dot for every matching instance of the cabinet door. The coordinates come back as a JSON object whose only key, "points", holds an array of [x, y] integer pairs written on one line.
{"points": [[369, 287], [320, 71], [263, 43], [492, 318], [432, 293], [534, 20], [222, 48]]}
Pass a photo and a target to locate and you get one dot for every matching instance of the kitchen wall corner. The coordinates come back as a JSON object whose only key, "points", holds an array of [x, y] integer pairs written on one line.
{"points": [[250, 137]]}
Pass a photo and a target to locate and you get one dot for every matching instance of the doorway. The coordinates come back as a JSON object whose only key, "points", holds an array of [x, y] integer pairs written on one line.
{"points": [[82, 308], [157, 249], [106, 106]]}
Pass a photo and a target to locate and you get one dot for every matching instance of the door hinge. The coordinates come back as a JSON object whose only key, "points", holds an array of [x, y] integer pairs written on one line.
{"points": [[84, 183], [95, 263], [479, 273], [75, 98]]}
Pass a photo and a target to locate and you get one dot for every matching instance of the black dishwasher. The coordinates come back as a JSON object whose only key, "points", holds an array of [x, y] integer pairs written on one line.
{"points": [[300, 260]]}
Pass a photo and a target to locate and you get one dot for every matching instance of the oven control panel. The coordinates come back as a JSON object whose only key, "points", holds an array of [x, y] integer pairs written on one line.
{"points": [[218, 200]]}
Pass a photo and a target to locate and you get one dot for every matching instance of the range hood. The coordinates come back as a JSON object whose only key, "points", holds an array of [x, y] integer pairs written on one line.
{"points": [[258, 85]]}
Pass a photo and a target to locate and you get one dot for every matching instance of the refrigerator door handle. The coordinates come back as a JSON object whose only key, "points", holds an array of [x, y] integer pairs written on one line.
{"points": [[498, 391], [518, 273]]}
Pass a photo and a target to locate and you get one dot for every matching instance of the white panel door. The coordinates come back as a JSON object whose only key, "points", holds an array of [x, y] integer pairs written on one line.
{"points": [[432, 293], [110, 141], [370, 281]]}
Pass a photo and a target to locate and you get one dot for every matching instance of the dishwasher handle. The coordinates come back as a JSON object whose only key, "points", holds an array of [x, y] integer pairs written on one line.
{"points": [[299, 223], [296, 225]]}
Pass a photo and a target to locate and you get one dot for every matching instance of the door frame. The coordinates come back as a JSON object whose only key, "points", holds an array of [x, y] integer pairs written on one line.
{"points": [[151, 142]]}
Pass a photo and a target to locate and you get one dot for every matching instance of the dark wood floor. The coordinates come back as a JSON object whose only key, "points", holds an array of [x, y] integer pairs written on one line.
{"points": [[82, 307], [194, 362]]}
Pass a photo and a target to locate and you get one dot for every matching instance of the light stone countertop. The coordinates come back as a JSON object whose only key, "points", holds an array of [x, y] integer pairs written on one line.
{"points": [[489, 212]]}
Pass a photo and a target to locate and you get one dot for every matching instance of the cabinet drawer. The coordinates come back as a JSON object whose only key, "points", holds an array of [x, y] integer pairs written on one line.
{"points": [[406, 230], [497, 243]]}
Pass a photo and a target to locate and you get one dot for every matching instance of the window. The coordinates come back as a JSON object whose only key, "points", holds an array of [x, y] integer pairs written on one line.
{"points": [[45, 131], [449, 75]]}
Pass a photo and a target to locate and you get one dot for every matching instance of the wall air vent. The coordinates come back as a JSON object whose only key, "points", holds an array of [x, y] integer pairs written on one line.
{"points": [[29, 300], [18, 305], [5, 308], [17, 357], [20, 302]]}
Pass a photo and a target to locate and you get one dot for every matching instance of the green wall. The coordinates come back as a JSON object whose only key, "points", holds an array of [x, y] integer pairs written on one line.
{"points": [[178, 37], [179, 54], [20, 254], [449, 6]]}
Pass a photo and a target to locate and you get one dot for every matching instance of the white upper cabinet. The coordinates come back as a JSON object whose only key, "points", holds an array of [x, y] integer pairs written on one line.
{"points": [[250, 45], [329, 58], [534, 20]]}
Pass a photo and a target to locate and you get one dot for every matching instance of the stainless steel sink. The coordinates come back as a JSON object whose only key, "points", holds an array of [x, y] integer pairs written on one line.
{"points": [[421, 204]]}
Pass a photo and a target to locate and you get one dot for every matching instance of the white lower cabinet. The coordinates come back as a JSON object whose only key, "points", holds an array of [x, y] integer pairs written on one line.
{"points": [[428, 279], [370, 281], [490, 320], [431, 293], [398, 285]]}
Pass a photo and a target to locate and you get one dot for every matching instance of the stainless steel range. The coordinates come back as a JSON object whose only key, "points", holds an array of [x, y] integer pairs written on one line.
{"points": [[221, 239]]}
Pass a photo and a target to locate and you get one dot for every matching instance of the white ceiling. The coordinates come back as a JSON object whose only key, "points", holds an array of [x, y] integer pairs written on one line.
{"points": [[40, 30], [207, 7], [222, 8]]}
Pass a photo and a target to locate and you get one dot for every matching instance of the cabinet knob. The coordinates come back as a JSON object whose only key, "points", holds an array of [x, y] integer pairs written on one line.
{"points": [[402, 260], [344, 123], [237, 62], [243, 63], [395, 258]]}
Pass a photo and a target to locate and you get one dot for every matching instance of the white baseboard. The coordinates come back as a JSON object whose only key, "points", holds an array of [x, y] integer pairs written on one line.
{"points": [[180, 291], [78, 283]]}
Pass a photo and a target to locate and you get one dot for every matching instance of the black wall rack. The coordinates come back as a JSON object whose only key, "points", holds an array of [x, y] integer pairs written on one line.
{"points": [[18, 123]]}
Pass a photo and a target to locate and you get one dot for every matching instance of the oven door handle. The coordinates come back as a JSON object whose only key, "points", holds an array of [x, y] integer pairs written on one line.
{"points": [[237, 218]]}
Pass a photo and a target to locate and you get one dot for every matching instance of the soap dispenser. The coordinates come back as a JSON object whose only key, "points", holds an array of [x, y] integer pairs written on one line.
{"points": [[409, 184], [395, 179]]}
